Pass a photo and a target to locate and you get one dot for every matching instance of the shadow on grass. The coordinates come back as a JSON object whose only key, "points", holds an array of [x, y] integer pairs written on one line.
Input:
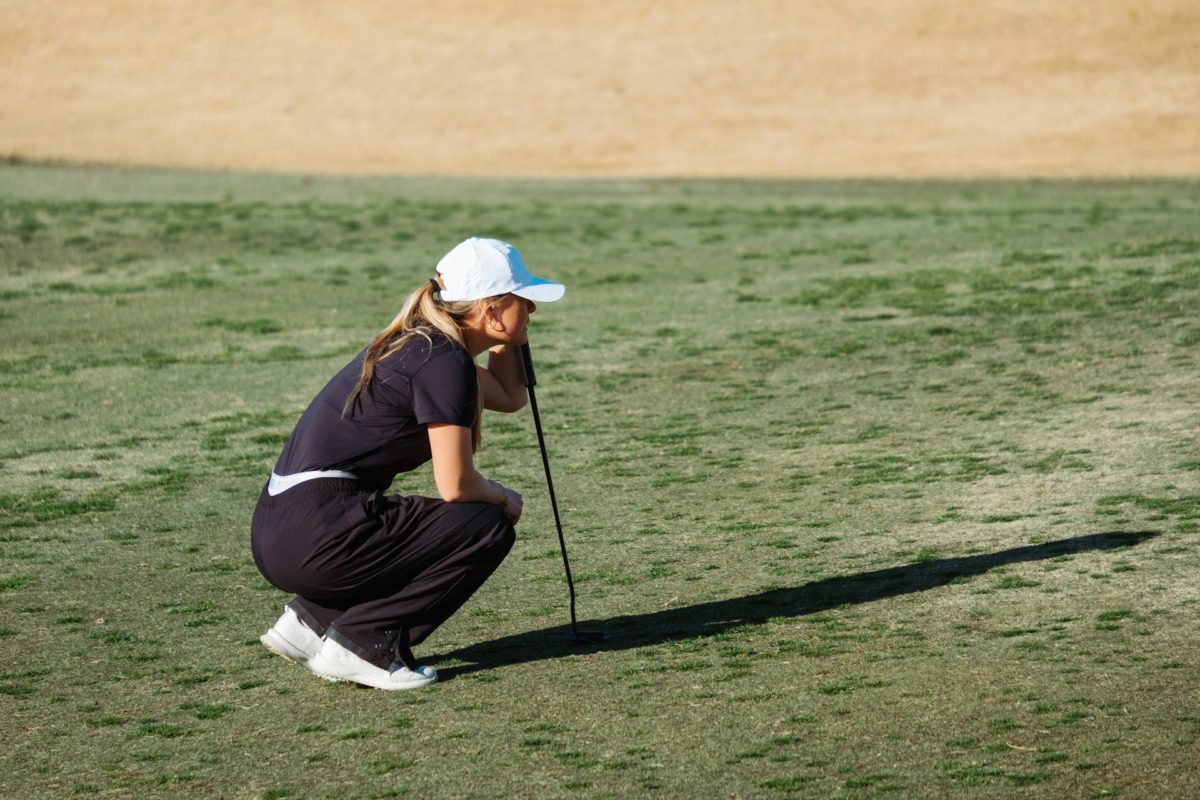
{"points": [[707, 619]]}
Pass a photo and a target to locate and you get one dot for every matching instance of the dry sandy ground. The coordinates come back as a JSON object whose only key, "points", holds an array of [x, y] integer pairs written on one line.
{"points": [[604, 87]]}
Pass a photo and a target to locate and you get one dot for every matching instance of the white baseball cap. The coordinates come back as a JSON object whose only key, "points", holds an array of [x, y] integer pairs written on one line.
{"points": [[479, 268]]}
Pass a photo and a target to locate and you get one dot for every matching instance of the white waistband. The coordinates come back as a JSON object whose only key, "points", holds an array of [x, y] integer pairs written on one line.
{"points": [[281, 483]]}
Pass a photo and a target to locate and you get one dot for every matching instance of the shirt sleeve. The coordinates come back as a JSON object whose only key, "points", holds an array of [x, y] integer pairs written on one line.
{"points": [[446, 389]]}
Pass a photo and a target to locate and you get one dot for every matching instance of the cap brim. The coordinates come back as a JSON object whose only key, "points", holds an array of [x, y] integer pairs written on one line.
{"points": [[541, 292]]}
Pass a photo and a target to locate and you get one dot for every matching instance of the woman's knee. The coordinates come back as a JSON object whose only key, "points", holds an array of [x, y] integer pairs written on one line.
{"points": [[496, 531]]}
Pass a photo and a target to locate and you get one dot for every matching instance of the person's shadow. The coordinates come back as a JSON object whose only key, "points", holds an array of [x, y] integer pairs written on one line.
{"points": [[705, 619]]}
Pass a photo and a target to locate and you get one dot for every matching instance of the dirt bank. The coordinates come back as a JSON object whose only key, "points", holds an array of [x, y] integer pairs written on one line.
{"points": [[669, 87]]}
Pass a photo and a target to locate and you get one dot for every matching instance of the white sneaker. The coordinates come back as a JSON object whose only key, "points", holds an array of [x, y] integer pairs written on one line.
{"points": [[336, 663], [291, 638]]}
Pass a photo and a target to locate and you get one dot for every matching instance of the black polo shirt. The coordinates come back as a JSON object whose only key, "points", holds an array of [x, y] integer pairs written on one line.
{"points": [[384, 432]]}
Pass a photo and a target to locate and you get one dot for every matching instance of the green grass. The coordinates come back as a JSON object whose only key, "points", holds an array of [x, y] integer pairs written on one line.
{"points": [[882, 489]]}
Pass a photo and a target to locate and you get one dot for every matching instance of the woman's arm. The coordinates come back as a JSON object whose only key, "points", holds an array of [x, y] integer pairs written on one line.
{"points": [[503, 382], [457, 479]]}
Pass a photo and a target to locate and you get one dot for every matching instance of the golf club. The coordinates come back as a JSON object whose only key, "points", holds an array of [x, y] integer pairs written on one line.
{"points": [[577, 636]]}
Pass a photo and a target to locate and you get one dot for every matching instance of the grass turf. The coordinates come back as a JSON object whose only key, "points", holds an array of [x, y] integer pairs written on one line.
{"points": [[882, 489]]}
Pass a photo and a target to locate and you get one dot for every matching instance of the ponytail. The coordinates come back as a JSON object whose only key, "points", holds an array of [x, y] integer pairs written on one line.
{"points": [[422, 314]]}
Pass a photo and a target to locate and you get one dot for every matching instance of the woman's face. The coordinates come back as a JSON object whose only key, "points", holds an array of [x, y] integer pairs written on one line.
{"points": [[510, 320]]}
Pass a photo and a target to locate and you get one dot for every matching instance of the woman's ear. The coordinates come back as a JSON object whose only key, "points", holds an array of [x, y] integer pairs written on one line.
{"points": [[490, 315]]}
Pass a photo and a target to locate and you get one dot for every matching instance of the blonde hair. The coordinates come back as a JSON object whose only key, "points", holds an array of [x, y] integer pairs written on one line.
{"points": [[421, 315]]}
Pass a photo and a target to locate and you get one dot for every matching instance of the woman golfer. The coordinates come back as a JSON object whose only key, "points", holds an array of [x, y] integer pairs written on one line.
{"points": [[375, 574]]}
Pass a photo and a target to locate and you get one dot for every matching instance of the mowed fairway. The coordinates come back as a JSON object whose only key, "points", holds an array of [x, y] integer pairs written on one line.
{"points": [[881, 489]]}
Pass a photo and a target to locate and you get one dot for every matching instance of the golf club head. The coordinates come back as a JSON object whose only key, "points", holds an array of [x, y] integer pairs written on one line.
{"points": [[587, 637]]}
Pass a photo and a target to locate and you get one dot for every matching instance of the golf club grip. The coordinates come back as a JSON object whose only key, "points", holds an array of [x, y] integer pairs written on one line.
{"points": [[527, 363]]}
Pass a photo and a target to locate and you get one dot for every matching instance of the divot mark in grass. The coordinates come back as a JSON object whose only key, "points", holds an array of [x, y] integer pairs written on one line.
{"points": [[575, 759], [1108, 620], [1186, 507], [207, 710], [15, 582], [1028, 778], [995, 518], [1052, 757], [788, 783], [1015, 582], [851, 685], [164, 730], [388, 764], [256, 326], [107, 721], [45, 504], [358, 733]]}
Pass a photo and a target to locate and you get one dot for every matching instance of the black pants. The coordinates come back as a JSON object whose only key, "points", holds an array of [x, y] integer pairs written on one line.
{"points": [[376, 573]]}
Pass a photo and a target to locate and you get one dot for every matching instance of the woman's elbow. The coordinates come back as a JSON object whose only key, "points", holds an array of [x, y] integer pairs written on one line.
{"points": [[513, 403], [452, 491]]}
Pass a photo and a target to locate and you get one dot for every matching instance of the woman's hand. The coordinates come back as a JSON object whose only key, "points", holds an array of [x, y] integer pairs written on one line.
{"points": [[502, 383], [513, 505]]}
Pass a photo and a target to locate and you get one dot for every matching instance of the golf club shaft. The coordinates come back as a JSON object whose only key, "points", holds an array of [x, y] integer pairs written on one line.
{"points": [[530, 382]]}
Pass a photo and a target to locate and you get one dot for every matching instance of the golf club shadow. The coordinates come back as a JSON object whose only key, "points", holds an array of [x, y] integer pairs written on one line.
{"points": [[707, 619]]}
